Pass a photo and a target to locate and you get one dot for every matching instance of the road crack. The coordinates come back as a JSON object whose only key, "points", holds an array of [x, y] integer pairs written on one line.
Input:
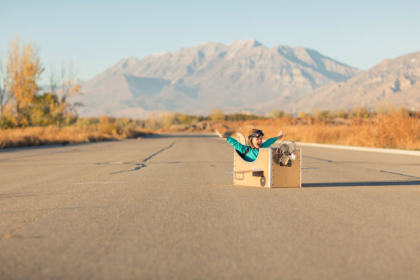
{"points": [[140, 165]]}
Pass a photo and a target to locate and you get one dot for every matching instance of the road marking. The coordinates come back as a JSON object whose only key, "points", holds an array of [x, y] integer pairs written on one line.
{"points": [[362, 149]]}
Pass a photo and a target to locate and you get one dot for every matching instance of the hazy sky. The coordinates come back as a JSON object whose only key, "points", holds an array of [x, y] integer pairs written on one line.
{"points": [[93, 35]]}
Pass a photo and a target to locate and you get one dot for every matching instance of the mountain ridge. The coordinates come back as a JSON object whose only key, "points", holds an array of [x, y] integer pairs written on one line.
{"points": [[243, 74]]}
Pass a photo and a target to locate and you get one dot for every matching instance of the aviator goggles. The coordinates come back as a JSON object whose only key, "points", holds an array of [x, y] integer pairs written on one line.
{"points": [[257, 134]]}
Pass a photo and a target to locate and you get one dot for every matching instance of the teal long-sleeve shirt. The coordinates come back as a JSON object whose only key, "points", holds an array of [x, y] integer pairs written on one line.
{"points": [[252, 153]]}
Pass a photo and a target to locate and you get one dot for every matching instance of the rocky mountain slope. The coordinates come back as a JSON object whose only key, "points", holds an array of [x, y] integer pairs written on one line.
{"points": [[393, 82]]}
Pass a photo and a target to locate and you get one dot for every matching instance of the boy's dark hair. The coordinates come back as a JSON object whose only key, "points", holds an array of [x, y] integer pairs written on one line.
{"points": [[254, 133]]}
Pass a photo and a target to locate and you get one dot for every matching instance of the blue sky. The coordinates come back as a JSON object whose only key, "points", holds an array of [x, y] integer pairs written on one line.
{"points": [[93, 35]]}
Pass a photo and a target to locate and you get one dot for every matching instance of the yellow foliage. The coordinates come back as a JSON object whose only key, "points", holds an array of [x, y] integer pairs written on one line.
{"points": [[23, 71]]}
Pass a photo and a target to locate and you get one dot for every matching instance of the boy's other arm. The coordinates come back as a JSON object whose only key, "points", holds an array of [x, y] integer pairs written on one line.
{"points": [[272, 140], [238, 146], [269, 142]]}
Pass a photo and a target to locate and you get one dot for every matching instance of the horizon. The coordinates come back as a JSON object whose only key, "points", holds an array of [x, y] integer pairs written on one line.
{"points": [[94, 36]]}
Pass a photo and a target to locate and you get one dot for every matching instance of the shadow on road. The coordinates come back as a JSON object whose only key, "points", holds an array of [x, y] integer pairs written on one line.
{"points": [[362, 184]]}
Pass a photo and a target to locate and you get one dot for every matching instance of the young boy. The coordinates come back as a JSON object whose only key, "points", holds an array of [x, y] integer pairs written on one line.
{"points": [[250, 153]]}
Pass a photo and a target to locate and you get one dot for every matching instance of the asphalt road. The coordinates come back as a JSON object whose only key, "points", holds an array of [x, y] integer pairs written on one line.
{"points": [[164, 208]]}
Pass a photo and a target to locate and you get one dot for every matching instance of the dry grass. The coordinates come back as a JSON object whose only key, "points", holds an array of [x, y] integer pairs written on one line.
{"points": [[388, 130], [32, 136]]}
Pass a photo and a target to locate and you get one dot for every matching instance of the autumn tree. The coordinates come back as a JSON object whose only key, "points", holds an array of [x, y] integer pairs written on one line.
{"points": [[23, 72], [63, 87], [3, 97]]}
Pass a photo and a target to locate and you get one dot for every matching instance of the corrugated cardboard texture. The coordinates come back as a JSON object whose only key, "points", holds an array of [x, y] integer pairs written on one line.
{"points": [[286, 176]]}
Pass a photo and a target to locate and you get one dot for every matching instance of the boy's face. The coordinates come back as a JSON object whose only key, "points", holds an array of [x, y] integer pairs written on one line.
{"points": [[257, 141]]}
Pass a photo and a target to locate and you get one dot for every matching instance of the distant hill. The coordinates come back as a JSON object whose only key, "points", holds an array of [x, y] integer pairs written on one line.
{"points": [[393, 82], [242, 76]]}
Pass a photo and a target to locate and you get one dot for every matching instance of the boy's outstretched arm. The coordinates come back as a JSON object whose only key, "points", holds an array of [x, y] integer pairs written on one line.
{"points": [[271, 141], [220, 134], [236, 145]]}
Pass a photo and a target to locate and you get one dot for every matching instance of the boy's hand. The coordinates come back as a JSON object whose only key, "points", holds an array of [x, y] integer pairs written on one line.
{"points": [[280, 135], [219, 134]]}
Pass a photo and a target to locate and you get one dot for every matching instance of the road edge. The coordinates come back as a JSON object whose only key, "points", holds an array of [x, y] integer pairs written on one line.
{"points": [[361, 149]]}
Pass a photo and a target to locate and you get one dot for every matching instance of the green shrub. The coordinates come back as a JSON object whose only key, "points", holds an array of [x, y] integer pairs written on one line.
{"points": [[6, 123]]}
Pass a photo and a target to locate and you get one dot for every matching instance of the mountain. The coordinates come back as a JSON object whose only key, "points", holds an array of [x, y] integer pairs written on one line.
{"points": [[242, 76], [393, 82]]}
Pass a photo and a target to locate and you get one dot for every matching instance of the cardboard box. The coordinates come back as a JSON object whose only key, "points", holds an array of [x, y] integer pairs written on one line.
{"points": [[265, 172]]}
